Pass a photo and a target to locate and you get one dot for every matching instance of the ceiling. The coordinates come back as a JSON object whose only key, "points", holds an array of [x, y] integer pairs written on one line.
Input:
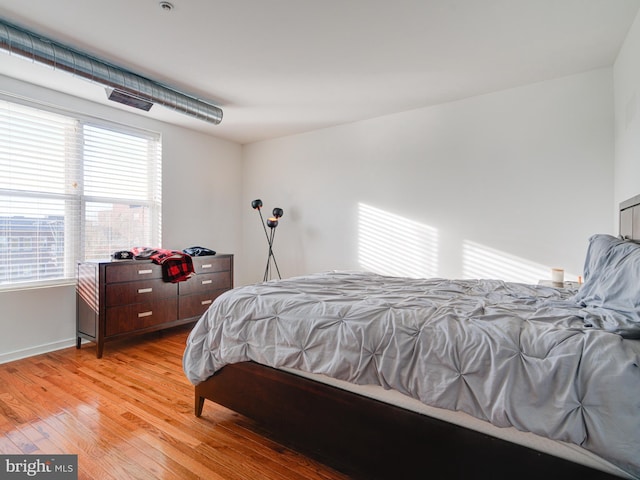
{"points": [[280, 67]]}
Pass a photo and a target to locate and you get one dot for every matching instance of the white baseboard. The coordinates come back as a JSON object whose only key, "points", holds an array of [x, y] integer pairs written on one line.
{"points": [[37, 350]]}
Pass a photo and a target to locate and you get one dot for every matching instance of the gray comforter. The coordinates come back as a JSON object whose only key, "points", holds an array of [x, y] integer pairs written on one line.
{"points": [[512, 354]]}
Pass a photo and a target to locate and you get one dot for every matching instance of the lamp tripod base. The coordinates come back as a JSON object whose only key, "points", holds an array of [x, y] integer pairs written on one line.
{"points": [[271, 258]]}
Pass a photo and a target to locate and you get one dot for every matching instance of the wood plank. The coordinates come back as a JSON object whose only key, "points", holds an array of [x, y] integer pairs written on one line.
{"points": [[130, 415]]}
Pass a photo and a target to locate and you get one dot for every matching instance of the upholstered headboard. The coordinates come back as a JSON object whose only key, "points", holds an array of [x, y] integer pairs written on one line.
{"points": [[630, 218]]}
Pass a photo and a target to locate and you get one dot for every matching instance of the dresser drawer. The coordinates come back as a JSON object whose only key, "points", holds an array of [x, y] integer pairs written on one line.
{"points": [[195, 305], [132, 271], [204, 283], [211, 264], [136, 292], [128, 318]]}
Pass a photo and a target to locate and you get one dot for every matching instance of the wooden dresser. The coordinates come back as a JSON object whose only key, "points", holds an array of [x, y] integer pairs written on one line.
{"points": [[117, 299]]}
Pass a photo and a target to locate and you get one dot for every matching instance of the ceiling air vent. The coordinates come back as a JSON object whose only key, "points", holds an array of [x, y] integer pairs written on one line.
{"points": [[128, 99]]}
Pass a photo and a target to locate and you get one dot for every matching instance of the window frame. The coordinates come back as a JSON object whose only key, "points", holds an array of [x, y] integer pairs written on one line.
{"points": [[75, 208]]}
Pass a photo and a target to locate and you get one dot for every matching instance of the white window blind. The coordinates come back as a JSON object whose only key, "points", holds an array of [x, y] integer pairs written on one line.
{"points": [[72, 189]]}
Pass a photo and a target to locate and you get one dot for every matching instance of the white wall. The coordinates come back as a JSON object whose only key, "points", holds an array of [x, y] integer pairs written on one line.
{"points": [[503, 185], [627, 116], [201, 198]]}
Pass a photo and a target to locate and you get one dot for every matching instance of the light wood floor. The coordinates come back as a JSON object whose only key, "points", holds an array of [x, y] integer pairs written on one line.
{"points": [[130, 415]]}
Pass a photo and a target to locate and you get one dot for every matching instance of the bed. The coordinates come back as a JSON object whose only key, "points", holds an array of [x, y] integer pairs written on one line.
{"points": [[389, 377]]}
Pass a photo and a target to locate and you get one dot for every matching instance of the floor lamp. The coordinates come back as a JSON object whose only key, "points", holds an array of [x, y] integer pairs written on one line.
{"points": [[272, 223]]}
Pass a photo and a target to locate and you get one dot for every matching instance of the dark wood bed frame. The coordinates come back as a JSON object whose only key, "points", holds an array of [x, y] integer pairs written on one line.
{"points": [[366, 438]]}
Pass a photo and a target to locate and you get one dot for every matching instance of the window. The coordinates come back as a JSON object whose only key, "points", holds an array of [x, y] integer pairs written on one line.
{"points": [[72, 189]]}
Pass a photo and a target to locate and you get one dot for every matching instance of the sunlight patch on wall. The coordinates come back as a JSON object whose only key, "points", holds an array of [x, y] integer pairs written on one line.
{"points": [[390, 244], [479, 261]]}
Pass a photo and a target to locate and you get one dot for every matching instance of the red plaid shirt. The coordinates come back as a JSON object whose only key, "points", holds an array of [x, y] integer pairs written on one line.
{"points": [[176, 266]]}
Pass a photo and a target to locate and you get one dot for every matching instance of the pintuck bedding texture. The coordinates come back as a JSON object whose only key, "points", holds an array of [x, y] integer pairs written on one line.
{"points": [[562, 364]]}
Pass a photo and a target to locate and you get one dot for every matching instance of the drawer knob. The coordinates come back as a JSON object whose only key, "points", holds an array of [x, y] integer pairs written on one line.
{"points": [[206, 282], [207, 265], [145, 314], [206, 302], [145, 272], [145, 290]]}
